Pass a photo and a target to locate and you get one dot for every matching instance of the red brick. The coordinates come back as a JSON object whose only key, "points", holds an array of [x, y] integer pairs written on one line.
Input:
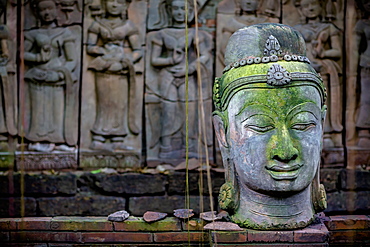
{"points": [[348, 222], [349, 236], [138, 224], [270, 236], [30, 236], [34, 223], [106, 237], [32, 245], [229, 237], [310, 235], [181, 237], [81, 224], [257, 245], [8, 223]]}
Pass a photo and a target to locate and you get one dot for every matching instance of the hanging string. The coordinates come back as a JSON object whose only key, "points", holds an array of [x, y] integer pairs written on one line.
{"points": [[187, 195], [202, 129], [21, 101]]}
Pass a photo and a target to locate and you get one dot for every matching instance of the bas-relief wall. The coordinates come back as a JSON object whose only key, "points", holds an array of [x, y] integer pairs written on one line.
{"points": [[105, 80]]}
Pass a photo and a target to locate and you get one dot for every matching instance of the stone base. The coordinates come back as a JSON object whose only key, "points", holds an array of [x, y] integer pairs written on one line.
{"points": [[345, 230], [30, 161], [358, 157], [332, 158], [124, 159], [314, 235]]}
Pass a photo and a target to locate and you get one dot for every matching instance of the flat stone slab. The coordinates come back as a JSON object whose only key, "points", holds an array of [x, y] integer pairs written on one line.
{"points": [[183, 213], [151, 216], [210, 216], [222, 226], [118, 216]]}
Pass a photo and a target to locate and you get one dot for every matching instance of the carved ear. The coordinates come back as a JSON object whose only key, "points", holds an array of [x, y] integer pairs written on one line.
{"points": [[220, 130]]}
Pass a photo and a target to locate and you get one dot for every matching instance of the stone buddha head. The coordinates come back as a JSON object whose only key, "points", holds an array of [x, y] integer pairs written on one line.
{"points": [[270, 109]]}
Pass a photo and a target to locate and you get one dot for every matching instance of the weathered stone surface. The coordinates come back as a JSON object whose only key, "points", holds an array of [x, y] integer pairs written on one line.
{"points": [[348, 201], [80, 205], [165, 86], [330, 179], [358, 157], [128, 159], [355, 179], [11, 206], [129, 183], [272, 163], [210, 216], [138, 224], [333, 158], [176, 183], [118, 216], [63, 223], [230, 237], [113, 87], [151, 216], [51, 81], [348, 222], [166, 204], [36, 161], [222, 226], [41, 184], [270, 236], [183, 213]]}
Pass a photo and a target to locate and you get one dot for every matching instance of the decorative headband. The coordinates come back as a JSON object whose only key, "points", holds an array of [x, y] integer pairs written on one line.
{"points": [[286, 70]]}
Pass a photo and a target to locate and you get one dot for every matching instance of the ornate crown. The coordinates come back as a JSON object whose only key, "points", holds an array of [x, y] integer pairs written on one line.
{"points": [[265, 56]]}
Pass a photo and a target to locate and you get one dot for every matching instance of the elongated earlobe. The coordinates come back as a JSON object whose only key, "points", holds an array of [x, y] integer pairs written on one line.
{"points": [[220, 130]]}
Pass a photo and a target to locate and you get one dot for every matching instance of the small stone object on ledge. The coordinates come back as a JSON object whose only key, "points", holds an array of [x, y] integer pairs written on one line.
{"points": [[118, 216], [222, 226], [151, 216], [210, 216], [183, 213]]}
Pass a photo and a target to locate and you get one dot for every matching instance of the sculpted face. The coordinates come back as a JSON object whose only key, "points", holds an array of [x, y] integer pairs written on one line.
{"points": [[115, 7], [311, 8], [178, 10], [47, 11], [249, 5], [274, 138]]}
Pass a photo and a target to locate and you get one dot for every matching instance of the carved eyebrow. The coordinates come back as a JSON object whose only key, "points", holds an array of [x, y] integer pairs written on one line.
{"points": [[257, 108], [305, 107]]}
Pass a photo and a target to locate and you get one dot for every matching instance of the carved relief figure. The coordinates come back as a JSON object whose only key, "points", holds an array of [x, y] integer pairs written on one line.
{"points": [[247, 12], [324, 51], [8, 95], [50, 52], [167, 69], [360, 61], [269, 122], [114, 76]]}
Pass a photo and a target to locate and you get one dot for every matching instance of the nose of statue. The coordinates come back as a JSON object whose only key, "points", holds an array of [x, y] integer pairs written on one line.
{"points": [[282, 147]]}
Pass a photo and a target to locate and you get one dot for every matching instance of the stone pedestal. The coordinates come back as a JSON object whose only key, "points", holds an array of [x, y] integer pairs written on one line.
{"points": [[45, 161], [313, 235], [124, 159], [332, 158], [358, 157]]}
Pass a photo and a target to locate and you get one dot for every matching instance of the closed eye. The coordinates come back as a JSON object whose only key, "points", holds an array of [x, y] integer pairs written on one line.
{"points": [[303, 126], [259, 129]]}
